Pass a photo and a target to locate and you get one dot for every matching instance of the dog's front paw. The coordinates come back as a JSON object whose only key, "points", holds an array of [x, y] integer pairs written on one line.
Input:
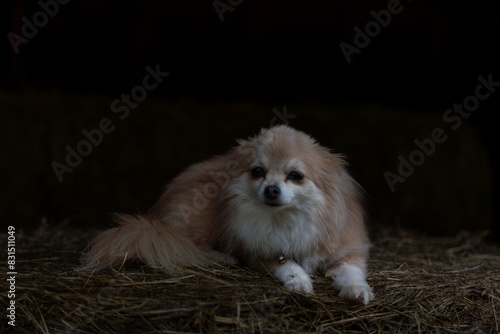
{"points": [[361, 293], [350, 280], [294, 278], [301, 283]]}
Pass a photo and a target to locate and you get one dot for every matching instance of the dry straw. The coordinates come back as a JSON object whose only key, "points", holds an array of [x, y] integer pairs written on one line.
{"points": [[422, 285]]}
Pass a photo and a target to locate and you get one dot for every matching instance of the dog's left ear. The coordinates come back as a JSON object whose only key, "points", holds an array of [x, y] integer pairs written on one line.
{"points": [[344, 180], [336, 160], [332, 162]]}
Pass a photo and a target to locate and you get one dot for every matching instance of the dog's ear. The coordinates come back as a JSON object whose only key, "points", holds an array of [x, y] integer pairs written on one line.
{"points": [[241, 142], [328, 163], [336, 161], [245, 153]]}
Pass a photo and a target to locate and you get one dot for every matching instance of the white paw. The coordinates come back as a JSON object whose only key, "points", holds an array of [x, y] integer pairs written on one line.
{"points": [[351, 281], [294, 277], [300, 284], [361, 293]]}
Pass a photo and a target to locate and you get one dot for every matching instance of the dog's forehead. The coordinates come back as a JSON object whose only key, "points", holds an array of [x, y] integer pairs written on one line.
{"points": [[295, 164], [280, 159], [283, 148]]}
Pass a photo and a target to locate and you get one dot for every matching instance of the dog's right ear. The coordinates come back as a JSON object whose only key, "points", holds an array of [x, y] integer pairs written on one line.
{"points": [[245, 151], [245, 146], [241, 142]]}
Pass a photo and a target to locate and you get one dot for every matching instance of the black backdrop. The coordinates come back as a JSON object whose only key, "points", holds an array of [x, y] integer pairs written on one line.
{"points": [[230, 64]]}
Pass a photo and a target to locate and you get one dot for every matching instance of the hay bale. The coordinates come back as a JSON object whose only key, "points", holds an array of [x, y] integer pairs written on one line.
{"points": [[422, 284]]}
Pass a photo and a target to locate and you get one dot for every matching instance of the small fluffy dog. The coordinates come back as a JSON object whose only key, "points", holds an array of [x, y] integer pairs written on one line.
{"points": [[277, 202]]}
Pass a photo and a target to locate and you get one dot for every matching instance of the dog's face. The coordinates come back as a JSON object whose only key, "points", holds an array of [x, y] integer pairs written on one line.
{"points": [[279, 183], [281, 172]]}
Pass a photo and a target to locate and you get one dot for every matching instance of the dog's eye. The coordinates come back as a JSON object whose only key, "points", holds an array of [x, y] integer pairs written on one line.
{"points": [[295, 176], [258, 172]]}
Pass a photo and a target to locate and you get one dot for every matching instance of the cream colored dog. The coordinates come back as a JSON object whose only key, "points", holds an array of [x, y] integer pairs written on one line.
{"points": [[278, 202]]}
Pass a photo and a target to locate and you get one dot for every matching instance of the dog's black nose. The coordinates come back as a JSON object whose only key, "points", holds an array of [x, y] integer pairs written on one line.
{"points": [[272, 192]]}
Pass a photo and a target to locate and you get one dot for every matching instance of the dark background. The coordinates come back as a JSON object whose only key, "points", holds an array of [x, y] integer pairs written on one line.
{"points": [[226, 78]]}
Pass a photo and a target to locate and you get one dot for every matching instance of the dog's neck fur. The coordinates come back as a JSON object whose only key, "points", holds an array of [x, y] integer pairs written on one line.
{"points": [[269, 232]]}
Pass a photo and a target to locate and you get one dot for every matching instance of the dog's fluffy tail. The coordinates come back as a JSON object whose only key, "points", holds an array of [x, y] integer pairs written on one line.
{"points": [[147, 239]]}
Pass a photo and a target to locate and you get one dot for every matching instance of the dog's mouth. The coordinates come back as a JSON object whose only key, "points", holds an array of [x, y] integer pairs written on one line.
{"points": [[273, 203]]}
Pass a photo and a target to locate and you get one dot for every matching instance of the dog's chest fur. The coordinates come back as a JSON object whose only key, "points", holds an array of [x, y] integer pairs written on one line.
{"points": [[269, 234]]}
